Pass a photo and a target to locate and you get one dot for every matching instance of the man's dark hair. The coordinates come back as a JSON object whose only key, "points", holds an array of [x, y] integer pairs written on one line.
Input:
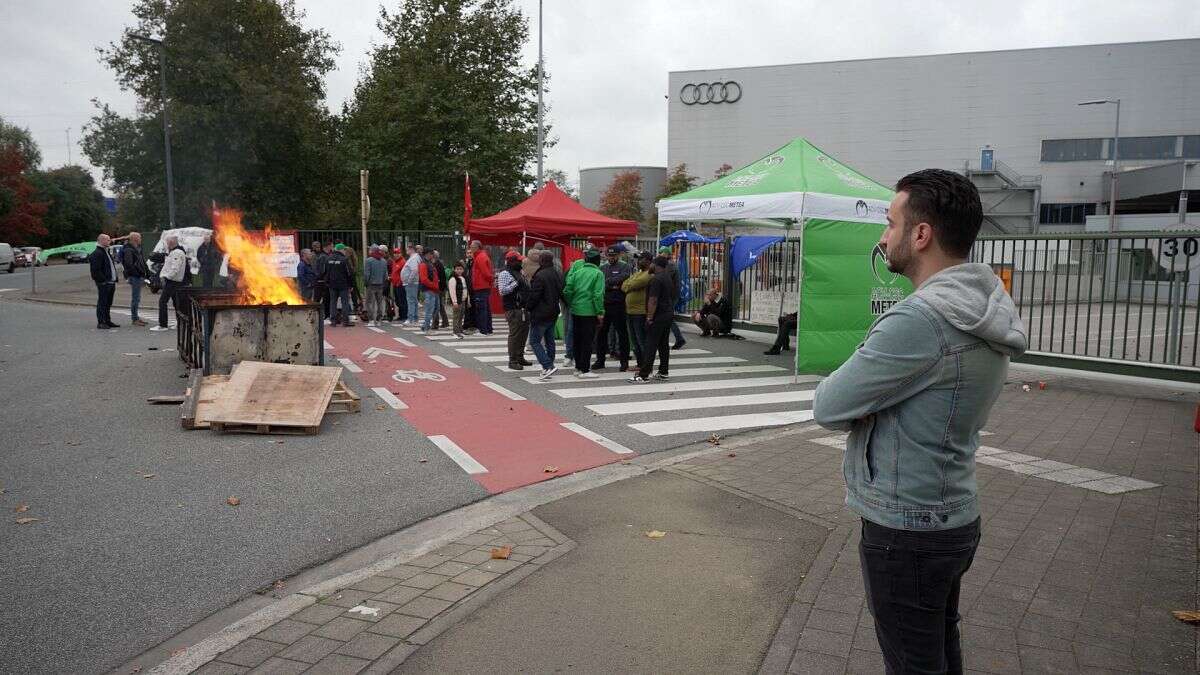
{"points": [[950, 204]]}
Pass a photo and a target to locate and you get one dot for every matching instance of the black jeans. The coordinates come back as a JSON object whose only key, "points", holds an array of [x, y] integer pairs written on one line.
{"points": [[912, 581], [614, 319], [584, 328], [482, 299], [657, 334], [787, 324], [167, 294], [104, 300]]}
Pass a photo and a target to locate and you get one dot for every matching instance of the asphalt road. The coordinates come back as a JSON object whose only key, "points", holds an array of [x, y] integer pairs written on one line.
{"points": [[47, 276], [118, 562]]}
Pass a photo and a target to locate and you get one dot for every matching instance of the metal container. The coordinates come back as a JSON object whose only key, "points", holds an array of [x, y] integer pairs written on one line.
{"points": [[216, 330]]}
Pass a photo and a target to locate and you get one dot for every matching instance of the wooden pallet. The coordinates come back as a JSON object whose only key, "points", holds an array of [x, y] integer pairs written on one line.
{"points": [[344, 400], [239, 428]]}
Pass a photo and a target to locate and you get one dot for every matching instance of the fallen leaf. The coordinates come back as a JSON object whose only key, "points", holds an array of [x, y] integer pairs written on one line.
{"points": [[380, 406], [280, 584], [1187, 615], [148, 475], [656, 534], [501, 553], [715, 439], [21, 508], [233, 501], [732, 454], [25, 521], [549, 469]]}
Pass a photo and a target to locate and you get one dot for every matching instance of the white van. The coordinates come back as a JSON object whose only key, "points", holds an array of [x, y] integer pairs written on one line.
{"points": [[8, 259]]}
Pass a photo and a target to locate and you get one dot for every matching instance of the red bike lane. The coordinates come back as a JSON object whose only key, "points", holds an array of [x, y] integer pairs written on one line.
{"points": [[502, 443]]}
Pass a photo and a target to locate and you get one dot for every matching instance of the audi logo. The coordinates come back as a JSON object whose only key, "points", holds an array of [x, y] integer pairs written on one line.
{"points": [[710, 92]]}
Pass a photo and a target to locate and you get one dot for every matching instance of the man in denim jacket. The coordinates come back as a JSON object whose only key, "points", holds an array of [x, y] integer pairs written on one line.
{"points": [[914, 397]]}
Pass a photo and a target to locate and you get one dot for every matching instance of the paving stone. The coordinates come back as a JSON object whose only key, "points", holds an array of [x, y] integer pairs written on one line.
{"points": [[428, 560], [451, 568], [399, 595], [318, 614], [530, 550], [402, 572], [499, 566], [251, 652], [475, 578], [450, 591], [1096, 656], [342, 628], [219, 668], [424, 581], [383, 609], [476, 539], [835, 622], [338, 664], [278, 666], [286, 631], [310, 649], [398, 625], [863, 662], [374, 584], [514, 525], [825, 642], [346, 598], [451, 550], [368, 646], [806, 662], [1039, 660], [473, 557], [991, 660], [425, 608]]}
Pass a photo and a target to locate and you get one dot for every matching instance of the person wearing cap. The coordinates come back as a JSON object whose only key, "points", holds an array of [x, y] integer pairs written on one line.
{"points": [[615, 274], [584, 293], [514, 292], [635, 303], [659, 315], [673, 272]]}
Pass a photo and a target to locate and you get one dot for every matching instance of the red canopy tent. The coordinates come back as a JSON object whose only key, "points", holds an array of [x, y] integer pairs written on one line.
{"points": [[552, 217]]}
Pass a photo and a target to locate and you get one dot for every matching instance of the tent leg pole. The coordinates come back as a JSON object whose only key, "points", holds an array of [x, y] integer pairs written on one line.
{"points": [[658, 228], [524, 246]]}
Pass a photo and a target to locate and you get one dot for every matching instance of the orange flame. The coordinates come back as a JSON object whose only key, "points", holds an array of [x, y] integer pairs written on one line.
{"points": [[252, 256]]}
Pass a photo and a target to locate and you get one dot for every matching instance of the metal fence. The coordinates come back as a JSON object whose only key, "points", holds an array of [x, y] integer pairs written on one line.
{"points": [[1128, 298]]}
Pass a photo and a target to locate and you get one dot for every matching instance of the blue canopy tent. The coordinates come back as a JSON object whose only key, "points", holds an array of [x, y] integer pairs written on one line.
{"points": [[746, 249]]}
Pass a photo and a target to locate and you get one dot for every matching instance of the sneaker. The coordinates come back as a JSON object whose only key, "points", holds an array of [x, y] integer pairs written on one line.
{"points": [[328, 322], [459, 336], [637, 379], [660, 376], [548, 372], [587, 376], [158, 328], [678, 345], [516, 366], [139, 322], [597, 366], [102, 326]]}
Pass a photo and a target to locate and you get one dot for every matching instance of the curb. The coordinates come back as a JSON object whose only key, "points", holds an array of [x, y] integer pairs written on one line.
{"points": [[432, 533]]}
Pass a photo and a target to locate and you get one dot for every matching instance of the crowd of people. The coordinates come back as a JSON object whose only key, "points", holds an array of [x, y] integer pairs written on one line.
{"points": [[618, 304]]}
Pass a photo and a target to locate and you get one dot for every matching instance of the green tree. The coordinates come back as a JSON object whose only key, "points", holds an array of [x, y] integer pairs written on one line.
{"points": [[563, 182], [722, 171], [75, 210], [445, 94], [623, 197], [245, 99]]}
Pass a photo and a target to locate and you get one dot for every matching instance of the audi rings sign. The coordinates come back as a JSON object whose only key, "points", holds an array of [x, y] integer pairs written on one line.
{"points": [[710, 92]]}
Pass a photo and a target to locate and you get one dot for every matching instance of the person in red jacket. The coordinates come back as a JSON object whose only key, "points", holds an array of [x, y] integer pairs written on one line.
{"points": [[430, 288], [481, 286], [397, 264]]}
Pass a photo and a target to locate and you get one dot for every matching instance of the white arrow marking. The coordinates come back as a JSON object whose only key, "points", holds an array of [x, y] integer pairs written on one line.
{"points": [[375, 352]]}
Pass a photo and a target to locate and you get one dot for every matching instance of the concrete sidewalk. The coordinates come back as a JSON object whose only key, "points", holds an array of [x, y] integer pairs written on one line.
{"points": [[1089, 542]]}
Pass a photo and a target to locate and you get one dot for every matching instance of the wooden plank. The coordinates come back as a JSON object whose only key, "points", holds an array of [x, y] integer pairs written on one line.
{"points": [[275, 395], [235, 428], [187, 414], [344, 400], [167, 399], [211, 390]]}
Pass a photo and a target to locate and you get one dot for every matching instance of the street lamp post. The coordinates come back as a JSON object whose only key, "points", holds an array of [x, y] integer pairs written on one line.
{"points": [[1112, 183], [162, 72], [540, 131]]}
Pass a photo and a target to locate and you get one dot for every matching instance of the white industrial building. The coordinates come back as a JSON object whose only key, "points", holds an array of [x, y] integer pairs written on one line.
{"points": [[1009, 119]]}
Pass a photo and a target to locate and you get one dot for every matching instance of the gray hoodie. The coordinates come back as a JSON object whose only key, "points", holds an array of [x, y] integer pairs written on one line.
{"points": [[915, 395]]}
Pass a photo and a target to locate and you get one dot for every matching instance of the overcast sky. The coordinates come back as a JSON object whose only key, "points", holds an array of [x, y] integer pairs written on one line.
{"points": [[609, 60]]}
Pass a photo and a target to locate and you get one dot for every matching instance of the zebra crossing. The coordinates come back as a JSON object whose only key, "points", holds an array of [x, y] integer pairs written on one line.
{"points": [[707, 392]]}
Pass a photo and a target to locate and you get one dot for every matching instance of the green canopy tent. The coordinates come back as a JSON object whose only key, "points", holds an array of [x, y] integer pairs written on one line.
{"points": [[82, 247], [840, 214]]}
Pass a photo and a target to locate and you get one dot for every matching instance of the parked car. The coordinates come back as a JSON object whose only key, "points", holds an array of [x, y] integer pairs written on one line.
{"points": [[26, 256], [8, 258], [76, 257]]}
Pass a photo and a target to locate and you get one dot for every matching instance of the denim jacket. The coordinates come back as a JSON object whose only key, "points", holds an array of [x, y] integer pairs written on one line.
{"points": [[915, 395]]}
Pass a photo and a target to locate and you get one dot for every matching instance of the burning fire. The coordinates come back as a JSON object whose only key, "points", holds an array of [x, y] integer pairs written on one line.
{"points": [[252, 256]]}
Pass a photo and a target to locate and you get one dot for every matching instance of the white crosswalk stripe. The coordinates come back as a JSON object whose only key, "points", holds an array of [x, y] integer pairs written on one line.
{"points": [[682, 372], [690, 425], [656, 388], [451, 337], [659, 404]]}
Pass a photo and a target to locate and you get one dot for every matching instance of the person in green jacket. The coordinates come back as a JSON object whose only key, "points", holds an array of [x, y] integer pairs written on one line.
{"points": [[584, 293], [635, 302]]}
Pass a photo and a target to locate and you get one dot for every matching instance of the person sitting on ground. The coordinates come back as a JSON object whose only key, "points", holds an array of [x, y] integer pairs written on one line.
{"points": [[787, 324], [715, 318]]}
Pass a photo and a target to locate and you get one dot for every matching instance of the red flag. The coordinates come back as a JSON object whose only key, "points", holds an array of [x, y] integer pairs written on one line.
{"points": [[467, 208]]}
